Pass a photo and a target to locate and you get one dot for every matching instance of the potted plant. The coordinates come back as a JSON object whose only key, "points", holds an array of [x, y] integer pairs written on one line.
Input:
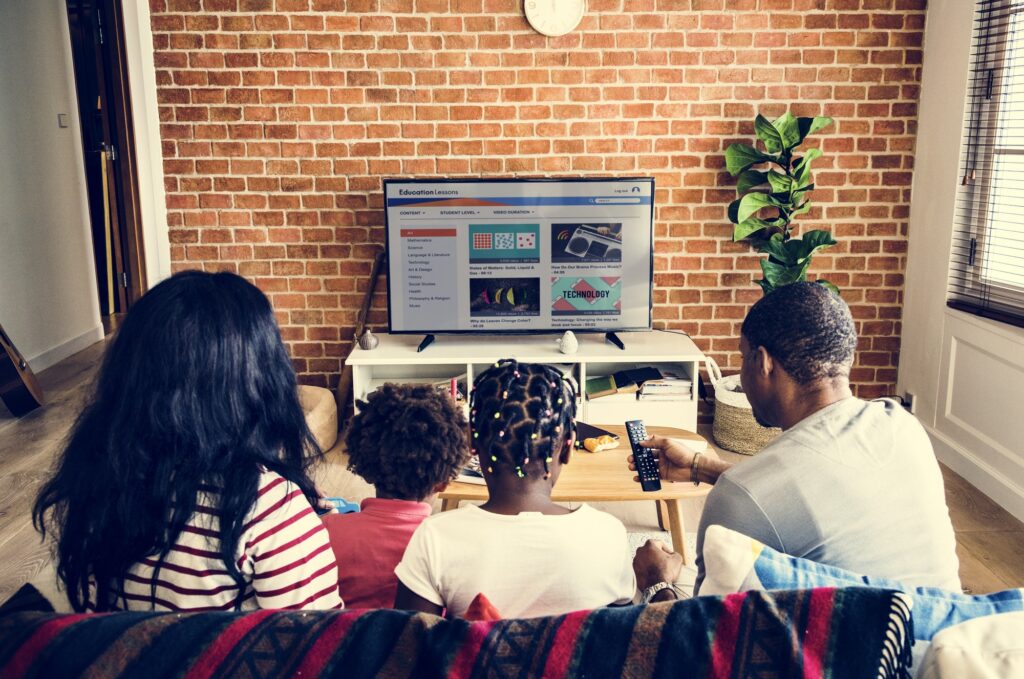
{"points": [[770, 198]]}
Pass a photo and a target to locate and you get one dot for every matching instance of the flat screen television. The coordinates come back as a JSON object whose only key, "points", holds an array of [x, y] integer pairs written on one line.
{"points": [[519, 255]]}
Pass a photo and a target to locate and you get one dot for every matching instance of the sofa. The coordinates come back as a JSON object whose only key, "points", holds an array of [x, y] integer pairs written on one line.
{"points": [[840, 633]]}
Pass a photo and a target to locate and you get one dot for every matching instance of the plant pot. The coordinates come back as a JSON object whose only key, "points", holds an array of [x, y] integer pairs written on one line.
{"points": [[734, 426]]}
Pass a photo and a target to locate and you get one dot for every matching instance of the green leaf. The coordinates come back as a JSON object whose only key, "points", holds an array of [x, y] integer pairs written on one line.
{"points": [[767, 133], [739, 157], [780, 183], [776, 247], [800, 250], [808, 126], [789, 130], [804, 207], [751, 203], [780, 274], [818, 239], [809, 187], [831, 286], [733, 211], [747, 227], [749, 179], [802, 172]]}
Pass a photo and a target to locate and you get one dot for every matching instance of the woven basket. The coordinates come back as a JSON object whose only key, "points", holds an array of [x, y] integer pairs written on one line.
{"points": [[735, 428]]}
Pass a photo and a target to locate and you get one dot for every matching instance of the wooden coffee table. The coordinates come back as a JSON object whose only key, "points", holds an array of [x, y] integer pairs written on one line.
{"points": [[605, 477]]}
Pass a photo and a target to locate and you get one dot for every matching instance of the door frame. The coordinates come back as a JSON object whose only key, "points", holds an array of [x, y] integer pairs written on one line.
{"points": [[122, 170]]}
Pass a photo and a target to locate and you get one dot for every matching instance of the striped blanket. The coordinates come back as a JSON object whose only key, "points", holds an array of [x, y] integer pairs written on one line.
{"points": [[837, 633]]}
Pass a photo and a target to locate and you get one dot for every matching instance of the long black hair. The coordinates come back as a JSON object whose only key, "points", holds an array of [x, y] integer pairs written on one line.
{"points": [[196, 390], [522, 414]]}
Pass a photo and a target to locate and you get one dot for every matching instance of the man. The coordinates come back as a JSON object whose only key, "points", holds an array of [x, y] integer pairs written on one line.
{"points": [[849, 483]]}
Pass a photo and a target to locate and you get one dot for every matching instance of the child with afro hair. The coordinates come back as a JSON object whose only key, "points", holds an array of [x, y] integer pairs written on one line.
{"points": [[409, 441]]}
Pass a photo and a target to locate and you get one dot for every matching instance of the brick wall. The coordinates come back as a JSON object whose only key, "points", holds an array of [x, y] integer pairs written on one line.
{"points": [[280, 117]]}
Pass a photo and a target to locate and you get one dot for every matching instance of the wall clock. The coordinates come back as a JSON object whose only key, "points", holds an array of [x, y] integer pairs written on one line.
{"points": [[554, 17]]}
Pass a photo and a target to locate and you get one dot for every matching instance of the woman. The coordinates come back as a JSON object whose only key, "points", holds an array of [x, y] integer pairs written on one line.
{"points": [[184, 484]]}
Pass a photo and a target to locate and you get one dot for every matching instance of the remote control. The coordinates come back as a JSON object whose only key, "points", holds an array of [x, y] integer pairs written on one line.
{"points": [[646, 467]]}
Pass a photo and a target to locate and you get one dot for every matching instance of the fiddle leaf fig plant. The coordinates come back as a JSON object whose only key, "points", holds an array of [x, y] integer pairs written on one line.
{"points": [[771, 197]]}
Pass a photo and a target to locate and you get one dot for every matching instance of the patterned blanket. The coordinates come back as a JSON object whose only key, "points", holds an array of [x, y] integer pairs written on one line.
{"points": [[836, 633]]}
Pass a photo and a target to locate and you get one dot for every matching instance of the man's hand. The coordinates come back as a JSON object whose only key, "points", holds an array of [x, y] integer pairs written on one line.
{"points": [[675, 460], [656, 562]]}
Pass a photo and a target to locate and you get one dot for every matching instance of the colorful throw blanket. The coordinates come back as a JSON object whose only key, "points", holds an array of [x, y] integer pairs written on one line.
{"points": [[834, 633]]}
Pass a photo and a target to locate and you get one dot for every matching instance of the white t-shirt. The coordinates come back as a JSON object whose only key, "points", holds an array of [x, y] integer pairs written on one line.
{"points": [[526, 565]]}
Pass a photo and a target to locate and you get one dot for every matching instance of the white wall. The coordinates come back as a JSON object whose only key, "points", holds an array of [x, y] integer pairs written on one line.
{"points": [[48, 300], [966, 372]]}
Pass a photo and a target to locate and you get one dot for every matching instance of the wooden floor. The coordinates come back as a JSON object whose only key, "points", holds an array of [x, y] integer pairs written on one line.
{"points": [[990, 542]]}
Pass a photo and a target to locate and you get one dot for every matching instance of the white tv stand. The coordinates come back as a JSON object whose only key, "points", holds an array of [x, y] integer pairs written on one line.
{"points": [[396, 360]]}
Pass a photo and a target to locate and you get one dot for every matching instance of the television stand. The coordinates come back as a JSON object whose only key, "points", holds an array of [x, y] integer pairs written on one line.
{"points": [[464, 357], [614, 339], [427, 341]]}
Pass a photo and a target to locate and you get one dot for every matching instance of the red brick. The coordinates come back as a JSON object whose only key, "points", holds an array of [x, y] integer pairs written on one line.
{"points": [[279, 122]]}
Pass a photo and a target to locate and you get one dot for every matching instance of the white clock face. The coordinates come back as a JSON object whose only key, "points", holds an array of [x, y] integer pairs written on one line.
{"points": [[554, 17]]}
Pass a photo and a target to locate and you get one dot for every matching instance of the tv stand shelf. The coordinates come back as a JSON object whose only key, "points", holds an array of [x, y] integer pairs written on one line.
{"points": [[396, 359]]}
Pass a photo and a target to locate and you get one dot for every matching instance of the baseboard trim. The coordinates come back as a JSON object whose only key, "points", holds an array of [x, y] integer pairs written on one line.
{"points": [[41, 362], [997, 486]]}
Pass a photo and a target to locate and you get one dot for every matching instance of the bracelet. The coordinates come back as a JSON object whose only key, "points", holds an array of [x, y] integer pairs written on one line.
{"points": [[649, 592], [693, 469]]}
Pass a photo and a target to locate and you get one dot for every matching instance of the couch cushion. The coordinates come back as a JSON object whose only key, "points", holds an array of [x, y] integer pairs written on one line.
{"points": [[991, 647], [735, 563], [321, 414], [839, 633]]}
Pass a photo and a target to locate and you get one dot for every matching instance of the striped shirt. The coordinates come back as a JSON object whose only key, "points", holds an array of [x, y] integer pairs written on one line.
{"points": [[283, 554]]}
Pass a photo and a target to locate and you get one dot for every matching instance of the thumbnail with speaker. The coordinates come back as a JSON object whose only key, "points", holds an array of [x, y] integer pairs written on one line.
{"points": [[519, 255]]}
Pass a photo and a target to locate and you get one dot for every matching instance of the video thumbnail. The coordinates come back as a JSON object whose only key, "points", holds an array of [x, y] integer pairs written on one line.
{"points": [[504, 297], [575, 243], [588, 296], [504, 243]]}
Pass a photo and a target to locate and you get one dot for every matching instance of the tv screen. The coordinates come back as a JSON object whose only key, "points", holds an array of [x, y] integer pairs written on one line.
{"points": [[519, 255]]}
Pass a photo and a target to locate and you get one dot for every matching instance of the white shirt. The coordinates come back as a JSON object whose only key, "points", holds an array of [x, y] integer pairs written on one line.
{"points": [[526, 565], [854, 485]]}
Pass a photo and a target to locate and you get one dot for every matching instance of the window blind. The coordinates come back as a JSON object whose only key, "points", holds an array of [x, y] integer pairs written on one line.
{"points": [[987, 262]]}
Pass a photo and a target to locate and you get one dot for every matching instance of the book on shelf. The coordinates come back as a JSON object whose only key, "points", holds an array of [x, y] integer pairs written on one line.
{"points": [[471, 472], [607, 385], [596, 387], [670, 384], [635, 377], [671, 396], [629, 381], [453, 386]]}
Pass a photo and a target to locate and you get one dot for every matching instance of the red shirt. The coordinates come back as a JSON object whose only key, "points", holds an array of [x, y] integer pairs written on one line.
{"points": [[369, 544]]}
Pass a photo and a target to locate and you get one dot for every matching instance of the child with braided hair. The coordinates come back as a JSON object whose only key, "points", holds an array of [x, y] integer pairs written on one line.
{"points": [[527, 555]]}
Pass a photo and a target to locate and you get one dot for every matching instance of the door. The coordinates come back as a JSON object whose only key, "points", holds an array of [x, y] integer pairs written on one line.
{"points": [[104, 105]]}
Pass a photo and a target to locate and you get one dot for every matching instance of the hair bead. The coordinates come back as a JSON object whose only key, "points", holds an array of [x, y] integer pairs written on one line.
{"points": [[490, 470], [494, 458], [497, 414]]}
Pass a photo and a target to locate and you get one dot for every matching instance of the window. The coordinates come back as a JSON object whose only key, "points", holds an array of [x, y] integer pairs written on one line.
{"points": [[987, 266]]}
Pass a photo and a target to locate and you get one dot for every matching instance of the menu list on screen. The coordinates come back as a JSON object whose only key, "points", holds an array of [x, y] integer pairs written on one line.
{"points": [[522, 255]]}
